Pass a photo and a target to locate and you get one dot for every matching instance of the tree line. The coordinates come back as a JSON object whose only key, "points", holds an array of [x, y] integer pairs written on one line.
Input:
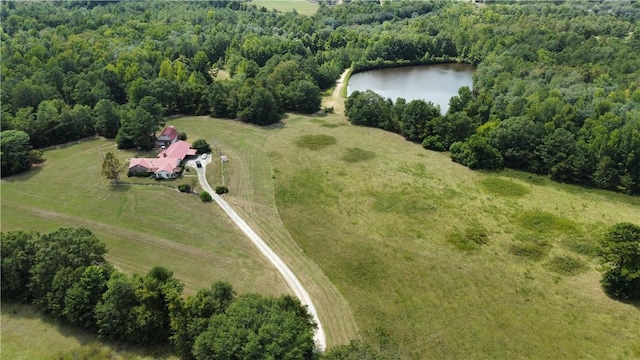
{"points": [[96, 73], [64, 274], [542, 100]]}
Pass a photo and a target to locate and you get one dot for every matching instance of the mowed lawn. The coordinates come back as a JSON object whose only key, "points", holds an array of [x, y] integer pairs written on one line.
{"points": [[448, 262], [250, 178], [142, 226]]}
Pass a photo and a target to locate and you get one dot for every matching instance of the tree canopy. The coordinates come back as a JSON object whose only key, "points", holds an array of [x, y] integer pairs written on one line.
{"points": [[64, 273], [621, 261], [16, 147], [556, 89]]}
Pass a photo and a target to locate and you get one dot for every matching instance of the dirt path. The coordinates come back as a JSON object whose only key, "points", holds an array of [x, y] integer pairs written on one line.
{"points": [[335, 100], [287, 274]]}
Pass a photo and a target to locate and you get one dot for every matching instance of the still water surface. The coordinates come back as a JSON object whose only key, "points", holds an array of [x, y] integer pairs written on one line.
{"points": [[436, 83]]}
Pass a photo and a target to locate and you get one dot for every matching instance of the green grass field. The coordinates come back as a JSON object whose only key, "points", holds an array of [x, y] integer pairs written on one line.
{"points": [[304, 7], [449, 262], [143, 226]]}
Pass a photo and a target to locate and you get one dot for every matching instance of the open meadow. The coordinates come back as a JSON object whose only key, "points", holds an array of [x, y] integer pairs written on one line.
{"points": [[387, 237], [142, 226], [448, 262]]}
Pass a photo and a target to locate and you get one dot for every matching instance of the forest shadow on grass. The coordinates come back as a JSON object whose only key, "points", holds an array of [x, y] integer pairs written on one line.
{"points": [[27, 318], [23, 176]]}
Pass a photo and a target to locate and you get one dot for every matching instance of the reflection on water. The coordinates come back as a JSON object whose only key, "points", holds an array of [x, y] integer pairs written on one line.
{"points": [[436, 83]]}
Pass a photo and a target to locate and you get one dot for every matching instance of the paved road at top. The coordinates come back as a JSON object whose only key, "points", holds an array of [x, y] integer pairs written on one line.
{"points": [[287, 274]]}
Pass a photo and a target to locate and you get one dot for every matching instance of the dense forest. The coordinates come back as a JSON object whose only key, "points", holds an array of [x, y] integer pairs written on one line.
{"points": [[548, 97], [556, 91]]}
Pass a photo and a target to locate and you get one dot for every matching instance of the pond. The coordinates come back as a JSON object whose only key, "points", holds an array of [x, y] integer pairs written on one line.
{"points": [[436, 83]]}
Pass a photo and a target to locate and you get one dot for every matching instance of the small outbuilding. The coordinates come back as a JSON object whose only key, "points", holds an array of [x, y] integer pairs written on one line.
{"points": [[168, 136]]}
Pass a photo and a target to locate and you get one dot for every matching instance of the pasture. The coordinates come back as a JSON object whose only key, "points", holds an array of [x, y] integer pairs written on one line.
{"points": [[448, 262], [387, 237]]}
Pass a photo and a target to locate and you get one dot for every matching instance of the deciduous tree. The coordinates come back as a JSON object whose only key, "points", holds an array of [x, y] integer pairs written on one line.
{"points": [[59, 249], [259, 327], [15, 145], [621, 261], [111, 167], [18, 257]]}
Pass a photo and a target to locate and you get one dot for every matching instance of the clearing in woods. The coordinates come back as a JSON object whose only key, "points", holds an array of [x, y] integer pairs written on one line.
{"points": [[304, 7]]}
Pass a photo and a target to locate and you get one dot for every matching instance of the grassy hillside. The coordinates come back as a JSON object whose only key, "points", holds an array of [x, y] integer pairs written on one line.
{"points": [[249, 176], [145, 226], [142, 227], [449, 262]]}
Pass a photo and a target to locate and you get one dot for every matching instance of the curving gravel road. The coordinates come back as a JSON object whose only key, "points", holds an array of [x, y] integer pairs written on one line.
{"points": [[287, 274]]}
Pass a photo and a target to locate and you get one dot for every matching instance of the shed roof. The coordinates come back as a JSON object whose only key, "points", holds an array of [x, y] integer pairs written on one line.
{"points": [[170, 132]]}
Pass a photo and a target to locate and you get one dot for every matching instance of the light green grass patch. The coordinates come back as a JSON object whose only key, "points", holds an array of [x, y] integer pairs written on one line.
{"points": [[402, 202], [308, 188], [414, 169], [566, 265], [326, 124], [316, 142], [353, 155], [500, 187]]}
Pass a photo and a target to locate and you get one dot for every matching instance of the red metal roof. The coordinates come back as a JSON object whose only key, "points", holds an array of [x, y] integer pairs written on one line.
{"points": [[171, 132], [179, 150], [155, 165]]}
